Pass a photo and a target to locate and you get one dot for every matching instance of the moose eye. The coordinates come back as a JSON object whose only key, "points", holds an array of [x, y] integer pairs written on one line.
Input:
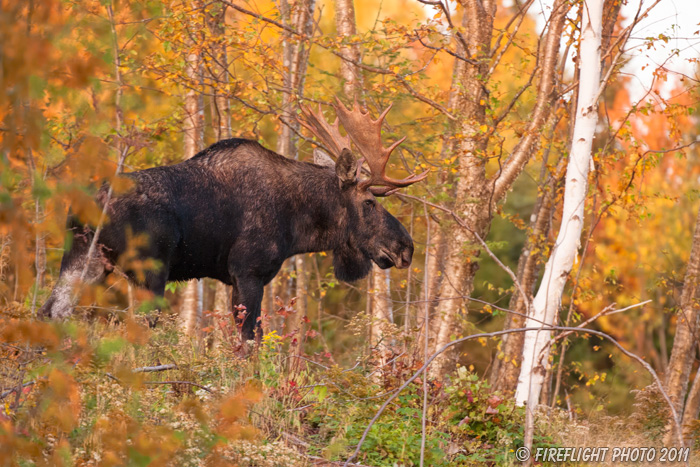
{"points": [[369, 203]]}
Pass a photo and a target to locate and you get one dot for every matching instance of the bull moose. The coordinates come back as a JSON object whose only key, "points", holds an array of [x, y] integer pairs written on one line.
{"points": [[236, 211]]}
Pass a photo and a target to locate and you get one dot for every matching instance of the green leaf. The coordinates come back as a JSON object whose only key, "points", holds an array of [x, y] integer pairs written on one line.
{"points": [[320, 392]]}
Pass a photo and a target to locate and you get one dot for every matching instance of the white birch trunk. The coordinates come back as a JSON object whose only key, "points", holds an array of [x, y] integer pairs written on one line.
{"points": [[548, 298], [189, 312], [379, 306]]}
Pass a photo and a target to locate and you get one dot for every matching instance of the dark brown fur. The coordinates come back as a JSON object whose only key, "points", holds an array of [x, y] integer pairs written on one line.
{"points": [[235, 212]]}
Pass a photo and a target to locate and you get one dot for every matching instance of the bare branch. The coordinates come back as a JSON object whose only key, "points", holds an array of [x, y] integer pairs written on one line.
{"points": [[511, 36]]}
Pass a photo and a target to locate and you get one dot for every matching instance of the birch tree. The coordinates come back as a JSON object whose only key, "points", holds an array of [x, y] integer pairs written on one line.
{"points": [[346, 27], [548, 298], [221, 117], [191, 309], [506, 370]]}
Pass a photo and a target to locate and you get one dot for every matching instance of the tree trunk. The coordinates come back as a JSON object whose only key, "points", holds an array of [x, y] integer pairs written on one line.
{"points": [[473, 193], [346, 27], [299, 16], [379, 306], [295, 321], [683, 353], [435, 255], [548, 297], [39, 239], [221, 119], [190, 315]]}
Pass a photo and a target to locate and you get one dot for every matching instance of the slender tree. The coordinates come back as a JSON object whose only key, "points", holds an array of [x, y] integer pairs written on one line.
{"points": [[548, 298], [295, 52], [190, 311], [507, 368]]}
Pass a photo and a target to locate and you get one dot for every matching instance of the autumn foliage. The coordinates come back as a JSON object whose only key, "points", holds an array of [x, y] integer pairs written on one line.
{"points": [[87, 83]]}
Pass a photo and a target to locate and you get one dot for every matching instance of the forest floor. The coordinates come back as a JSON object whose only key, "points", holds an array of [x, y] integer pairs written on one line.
{"points": [[116, 392]]}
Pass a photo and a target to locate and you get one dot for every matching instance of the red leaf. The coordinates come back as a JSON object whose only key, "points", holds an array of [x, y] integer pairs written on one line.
{"points": [[494, 401]]}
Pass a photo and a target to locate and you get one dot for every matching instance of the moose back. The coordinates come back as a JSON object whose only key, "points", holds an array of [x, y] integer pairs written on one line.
{"points": [[236, 211]]}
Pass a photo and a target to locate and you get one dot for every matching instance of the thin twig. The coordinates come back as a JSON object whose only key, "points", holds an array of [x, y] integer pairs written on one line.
{"points": [[481, 241]]}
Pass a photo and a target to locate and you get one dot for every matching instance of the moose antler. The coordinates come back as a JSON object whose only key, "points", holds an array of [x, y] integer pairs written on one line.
{"points": [[328, 134], [367, 136]]}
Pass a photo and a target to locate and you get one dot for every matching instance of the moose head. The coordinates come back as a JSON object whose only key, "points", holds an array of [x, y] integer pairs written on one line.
{"points": [[374, 234]]}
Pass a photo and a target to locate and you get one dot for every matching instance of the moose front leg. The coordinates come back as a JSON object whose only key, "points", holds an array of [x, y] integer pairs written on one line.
{"points": [[249, 293]]}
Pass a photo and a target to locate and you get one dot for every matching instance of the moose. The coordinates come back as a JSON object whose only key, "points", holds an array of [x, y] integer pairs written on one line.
{"points": [[236, 210]]}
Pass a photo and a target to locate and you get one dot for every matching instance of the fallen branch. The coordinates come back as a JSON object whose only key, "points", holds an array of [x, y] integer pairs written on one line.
{"points": [[295, 440], [209, 390], [152, 369], [190, 383], [320, 461]]}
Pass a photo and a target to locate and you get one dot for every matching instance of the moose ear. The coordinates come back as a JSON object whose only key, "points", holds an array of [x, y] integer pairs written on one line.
{"points": [[346, 168], [323, 159]]}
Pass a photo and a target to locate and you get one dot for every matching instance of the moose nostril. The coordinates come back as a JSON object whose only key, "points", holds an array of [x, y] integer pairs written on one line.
{"points": [[406, 257]]}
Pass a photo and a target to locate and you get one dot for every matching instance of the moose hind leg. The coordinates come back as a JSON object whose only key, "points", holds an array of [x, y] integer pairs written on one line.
{"points": [[74, 267], [155, 282]]}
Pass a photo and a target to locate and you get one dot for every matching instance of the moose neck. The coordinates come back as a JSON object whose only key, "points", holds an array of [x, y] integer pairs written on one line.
{"points": [[322, 220]]}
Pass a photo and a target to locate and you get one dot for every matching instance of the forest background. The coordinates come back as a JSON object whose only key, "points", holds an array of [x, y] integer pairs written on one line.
{"points": [[486, 93]]}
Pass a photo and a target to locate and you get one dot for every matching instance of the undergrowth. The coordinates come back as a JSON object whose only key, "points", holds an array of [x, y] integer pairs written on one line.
{"points": [[81, 393]]}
